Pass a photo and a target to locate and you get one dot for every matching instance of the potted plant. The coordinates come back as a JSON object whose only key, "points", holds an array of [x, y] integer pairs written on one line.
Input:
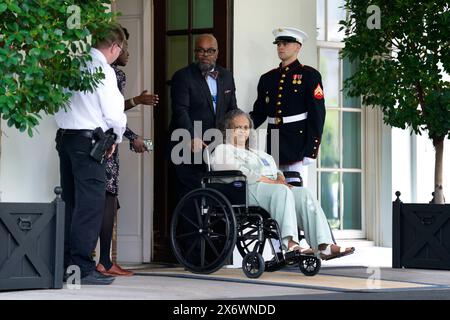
{"points": [[43, 47], [402, 60], [43, 44]]}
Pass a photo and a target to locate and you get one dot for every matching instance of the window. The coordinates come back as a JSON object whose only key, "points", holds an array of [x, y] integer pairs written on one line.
{"points": [[340, 171]]}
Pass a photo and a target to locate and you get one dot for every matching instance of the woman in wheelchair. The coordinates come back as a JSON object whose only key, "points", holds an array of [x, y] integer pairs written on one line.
{"points": [[292, 207]]}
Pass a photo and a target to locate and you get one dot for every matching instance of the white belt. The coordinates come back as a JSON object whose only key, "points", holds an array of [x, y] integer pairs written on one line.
{"points": [[298, 117]]}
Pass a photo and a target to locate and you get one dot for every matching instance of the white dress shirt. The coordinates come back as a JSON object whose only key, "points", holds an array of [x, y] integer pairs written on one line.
{"points": [[102, 108]]}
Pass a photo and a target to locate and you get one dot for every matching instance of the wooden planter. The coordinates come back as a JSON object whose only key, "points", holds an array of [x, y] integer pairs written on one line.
{"points": [[420, 235], [32, 244]]}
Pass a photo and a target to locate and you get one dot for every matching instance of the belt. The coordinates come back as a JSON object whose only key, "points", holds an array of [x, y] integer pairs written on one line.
{"points": [[82, 132], [280, 120]]}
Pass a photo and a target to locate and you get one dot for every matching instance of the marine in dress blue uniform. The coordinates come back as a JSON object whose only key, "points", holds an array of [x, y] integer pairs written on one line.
{"points": [[291, 98]]}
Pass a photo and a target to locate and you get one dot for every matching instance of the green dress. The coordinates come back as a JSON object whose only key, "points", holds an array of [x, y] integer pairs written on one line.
{"points": [[291, 208]]}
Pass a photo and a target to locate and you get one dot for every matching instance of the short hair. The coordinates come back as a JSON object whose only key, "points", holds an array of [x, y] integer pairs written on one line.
{"points": [[227, 123], [105, 37], [125, 31]]}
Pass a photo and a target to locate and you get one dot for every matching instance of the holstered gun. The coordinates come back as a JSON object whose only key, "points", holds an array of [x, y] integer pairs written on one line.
{"points": [[103, 142]]}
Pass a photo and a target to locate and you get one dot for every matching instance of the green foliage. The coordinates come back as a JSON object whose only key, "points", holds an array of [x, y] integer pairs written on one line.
{"points": [[401, 65], [42, 48]]}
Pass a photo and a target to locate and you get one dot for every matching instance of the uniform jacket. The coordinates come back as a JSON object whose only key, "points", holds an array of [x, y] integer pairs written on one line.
{"points": [[289, 91]]}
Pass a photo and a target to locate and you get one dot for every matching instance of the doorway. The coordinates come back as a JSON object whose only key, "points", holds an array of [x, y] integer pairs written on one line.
{"points": [[177, 23]]}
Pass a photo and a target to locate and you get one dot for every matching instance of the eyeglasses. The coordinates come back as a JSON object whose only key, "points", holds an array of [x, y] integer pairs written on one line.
{"points": [[202, 51], [121, 49]]}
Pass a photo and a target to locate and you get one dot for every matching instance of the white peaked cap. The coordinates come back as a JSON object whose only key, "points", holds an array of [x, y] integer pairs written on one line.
{"points": [[289, 34]]}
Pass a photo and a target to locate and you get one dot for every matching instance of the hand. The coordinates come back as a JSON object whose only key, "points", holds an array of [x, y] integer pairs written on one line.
{"points": [[281, 178], [197, 145], [139, 145], [147, 99], [110, 151]]}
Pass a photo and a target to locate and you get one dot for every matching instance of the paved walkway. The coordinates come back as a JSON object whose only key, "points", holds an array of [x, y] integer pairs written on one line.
{"points": [[364, 275]]}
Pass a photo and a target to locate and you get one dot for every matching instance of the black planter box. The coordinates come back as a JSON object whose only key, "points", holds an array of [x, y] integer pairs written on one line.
{"points": [[420, 235], [32, 244]]}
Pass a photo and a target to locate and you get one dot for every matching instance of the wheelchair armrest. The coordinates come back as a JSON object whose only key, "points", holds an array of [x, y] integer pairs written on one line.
{"points": [[292, 174], [224, 174]]}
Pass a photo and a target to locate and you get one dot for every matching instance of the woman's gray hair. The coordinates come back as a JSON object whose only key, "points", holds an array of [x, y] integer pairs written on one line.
{"points": [[227, 124]]}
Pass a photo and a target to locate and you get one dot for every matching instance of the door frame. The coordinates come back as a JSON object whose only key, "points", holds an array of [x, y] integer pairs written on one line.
{"points": [[165, 199]]}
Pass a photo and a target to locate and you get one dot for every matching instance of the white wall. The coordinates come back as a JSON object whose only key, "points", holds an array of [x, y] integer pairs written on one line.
{"points": [[29, 167]]}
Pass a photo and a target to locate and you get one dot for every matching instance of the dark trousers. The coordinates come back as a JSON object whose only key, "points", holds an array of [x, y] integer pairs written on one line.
{"points": [[83, 184], [188, 177]]}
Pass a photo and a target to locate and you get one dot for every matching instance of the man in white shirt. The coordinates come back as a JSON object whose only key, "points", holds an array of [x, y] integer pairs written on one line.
{"points": [[82, 177]]}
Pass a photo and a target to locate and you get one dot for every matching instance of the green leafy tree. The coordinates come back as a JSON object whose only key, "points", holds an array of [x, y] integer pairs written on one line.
{"points": [[402, 63], [43, 46]]}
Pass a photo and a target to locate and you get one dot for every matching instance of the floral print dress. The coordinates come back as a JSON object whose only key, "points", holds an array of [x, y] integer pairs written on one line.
{"points": [[112, 164]]}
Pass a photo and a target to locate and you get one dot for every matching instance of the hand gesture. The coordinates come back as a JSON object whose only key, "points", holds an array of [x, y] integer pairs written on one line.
{"points": [[147, 98]]}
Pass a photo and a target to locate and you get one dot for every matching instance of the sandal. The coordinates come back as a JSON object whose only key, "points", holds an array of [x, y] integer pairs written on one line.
{"points": [[296, 247], [328, 254]]}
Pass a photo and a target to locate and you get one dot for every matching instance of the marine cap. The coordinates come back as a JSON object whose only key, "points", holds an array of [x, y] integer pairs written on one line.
{"points": [[289, 35]]}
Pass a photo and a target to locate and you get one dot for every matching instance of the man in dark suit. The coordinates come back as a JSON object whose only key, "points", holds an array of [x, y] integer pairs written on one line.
{"points": [[292, 99], [203, 92]]}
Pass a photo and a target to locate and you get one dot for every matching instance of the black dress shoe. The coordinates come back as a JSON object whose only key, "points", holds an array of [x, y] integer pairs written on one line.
{"points": [[96, 278]]}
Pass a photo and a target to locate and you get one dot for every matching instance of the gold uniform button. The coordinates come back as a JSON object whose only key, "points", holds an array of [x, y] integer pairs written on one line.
{"points": [[281, 81], [301, 131], [296, 90], [283, 76], [287, 69], [280, 88], [280, 95], [278, 103], [279, 111]]}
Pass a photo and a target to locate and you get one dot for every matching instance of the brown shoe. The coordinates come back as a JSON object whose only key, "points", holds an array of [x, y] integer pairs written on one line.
{"points": [[115, 270]]}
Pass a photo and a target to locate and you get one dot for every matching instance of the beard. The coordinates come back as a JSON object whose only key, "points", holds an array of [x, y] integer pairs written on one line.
{"points": [[205, 67]]}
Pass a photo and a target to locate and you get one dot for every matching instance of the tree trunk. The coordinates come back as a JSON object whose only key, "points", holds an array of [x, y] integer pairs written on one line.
{"points": [[438, 170]]}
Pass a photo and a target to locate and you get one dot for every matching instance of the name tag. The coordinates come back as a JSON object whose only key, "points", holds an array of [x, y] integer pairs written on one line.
{"points": [[265, 162]]}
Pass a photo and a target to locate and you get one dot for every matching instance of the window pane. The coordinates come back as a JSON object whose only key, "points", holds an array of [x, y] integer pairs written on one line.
{"points": [[349, 69], [329, 196], [336, 12], [177, 54], [321, 20], [351, 133], [329, 68], [203, 13], [352, 201], [329, 147], [177, 14]]}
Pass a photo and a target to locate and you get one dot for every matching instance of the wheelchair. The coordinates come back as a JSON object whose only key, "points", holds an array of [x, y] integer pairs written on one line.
{"points": [[209, 222]]}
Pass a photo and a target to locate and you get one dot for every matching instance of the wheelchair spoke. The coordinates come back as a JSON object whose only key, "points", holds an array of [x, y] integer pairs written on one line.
{"points": [[199, 212], [188, 253], [190, 221], [212, 246], [218, 234], [184, 235], [202, 252]]}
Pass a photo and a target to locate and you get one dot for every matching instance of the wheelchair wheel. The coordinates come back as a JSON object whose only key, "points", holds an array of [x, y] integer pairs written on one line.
{"points": [[309, 266], [203, 231], [253, 265]]}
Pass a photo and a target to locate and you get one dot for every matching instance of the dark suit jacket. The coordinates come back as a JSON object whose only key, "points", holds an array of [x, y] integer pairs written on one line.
{"points": [[191, 99]]}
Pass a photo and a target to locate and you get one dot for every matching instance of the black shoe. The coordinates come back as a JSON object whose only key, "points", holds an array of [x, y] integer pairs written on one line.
{"points": [[96, 278]]}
